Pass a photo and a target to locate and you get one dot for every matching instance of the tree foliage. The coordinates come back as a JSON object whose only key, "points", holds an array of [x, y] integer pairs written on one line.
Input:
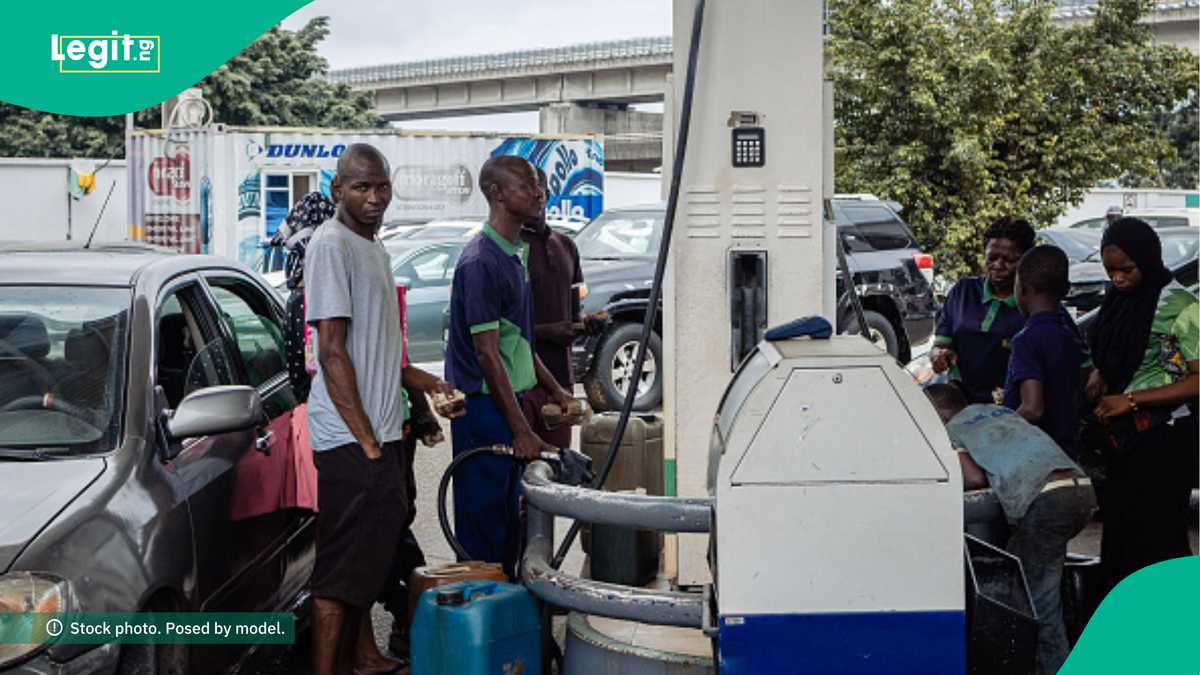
{"points": [[967, 110], [275, 81]]}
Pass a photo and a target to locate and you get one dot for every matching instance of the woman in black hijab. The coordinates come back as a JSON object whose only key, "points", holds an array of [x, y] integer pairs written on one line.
{"points": [[1146, 348]]}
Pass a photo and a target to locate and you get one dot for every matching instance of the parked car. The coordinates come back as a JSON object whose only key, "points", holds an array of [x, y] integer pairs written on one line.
{"points": [[567, 226], [1088, 278], [618, 251], [1078, 244], [144, 408], [278, 281], [426, 268], [446, 229], [892, 275], [400, 227], [1156, 218]]}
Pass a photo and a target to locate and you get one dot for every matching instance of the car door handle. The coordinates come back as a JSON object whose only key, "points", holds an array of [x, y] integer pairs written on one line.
{"points": [[263, 442]]}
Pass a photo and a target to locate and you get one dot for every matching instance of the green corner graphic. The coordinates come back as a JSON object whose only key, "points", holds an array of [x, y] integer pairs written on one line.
{"points": [[113, 58], [1149, 623]]}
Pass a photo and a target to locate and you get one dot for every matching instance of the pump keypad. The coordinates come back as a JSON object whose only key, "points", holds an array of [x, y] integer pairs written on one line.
{"points": [[749, 147]]}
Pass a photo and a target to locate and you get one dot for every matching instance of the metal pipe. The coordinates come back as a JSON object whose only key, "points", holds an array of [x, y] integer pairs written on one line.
{"points": [[642, 512], [667, 608]]}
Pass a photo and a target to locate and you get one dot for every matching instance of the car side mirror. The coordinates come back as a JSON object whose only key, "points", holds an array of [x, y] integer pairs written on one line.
{"points": [[215, 410]]}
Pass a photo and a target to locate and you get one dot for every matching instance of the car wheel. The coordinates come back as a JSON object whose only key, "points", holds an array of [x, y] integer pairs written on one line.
{"points": [[609, 379], [883, 333]]}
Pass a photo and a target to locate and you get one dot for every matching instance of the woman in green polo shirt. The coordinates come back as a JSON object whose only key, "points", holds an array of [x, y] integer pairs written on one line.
{"points": [[980, 315], [1146, 348]]}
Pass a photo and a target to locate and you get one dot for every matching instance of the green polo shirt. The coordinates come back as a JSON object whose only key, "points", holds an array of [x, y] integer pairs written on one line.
{"points": [[491, 291]]}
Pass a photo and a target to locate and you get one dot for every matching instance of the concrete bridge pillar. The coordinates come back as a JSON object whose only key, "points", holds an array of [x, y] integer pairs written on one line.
{"points": [[632, 138]]}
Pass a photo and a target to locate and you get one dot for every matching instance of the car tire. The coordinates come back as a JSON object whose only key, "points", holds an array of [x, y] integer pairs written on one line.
{"points": [[883, 329], [614, 358]]}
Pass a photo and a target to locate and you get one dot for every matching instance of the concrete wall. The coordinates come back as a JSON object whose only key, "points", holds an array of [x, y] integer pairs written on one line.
{"points": [[631, 189], [37, 206], [632, 138]]}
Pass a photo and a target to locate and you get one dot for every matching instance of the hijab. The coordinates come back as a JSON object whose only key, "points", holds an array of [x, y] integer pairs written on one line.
{"points": [[313, 209], [1122, 330]]}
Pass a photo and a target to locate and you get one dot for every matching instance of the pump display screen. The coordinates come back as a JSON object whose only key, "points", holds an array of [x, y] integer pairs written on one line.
{"points": [[749, 147]]}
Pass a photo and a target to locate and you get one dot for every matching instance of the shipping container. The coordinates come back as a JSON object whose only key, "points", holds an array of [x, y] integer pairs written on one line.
{"points": [[225, 190]]}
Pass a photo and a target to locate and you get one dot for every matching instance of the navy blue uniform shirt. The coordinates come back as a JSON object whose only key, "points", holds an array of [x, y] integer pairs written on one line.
{"points": [[978, 326], [491, 292], [1050, 350]]}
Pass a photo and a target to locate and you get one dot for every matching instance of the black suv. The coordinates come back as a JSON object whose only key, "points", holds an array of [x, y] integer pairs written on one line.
{"points": [[618, 251]]}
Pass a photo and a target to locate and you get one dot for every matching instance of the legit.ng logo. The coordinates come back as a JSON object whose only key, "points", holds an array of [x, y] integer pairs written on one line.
{"points": [[115, 53]]}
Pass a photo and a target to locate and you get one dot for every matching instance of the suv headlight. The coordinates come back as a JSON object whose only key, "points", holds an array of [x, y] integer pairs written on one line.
{"points": [[27, 593]]}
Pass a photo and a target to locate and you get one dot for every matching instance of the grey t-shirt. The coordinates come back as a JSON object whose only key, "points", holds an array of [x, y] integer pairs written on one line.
{"points": [[348, 277], [1016, 456]]}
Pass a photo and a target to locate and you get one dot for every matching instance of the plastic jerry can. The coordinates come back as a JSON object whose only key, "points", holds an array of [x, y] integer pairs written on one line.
{"points": [[476, 628], [639, 463], [431, 576]]}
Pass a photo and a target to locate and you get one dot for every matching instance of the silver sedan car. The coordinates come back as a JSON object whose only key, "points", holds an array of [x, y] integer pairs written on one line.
{"points": [[152, 453]]}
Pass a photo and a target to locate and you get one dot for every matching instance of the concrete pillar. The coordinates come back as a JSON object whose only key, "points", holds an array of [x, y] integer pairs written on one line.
{"points": [[632, 138]]}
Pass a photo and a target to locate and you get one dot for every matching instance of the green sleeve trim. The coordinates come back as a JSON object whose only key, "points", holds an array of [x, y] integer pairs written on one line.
{"points": [[943, 341], [1087, 365], [485, 327]]}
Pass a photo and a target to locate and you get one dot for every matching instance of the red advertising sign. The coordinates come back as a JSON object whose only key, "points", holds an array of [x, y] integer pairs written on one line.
{"points": [[172, 176]]}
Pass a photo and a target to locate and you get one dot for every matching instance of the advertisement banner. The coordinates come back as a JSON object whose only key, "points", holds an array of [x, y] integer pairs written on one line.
{"points": [[170, 177], [239, 202]]}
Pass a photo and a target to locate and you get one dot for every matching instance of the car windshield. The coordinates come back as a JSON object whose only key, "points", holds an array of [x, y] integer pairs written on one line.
{"points": [[62, 364], [1077, 244], [621, 234], [444, 231], [1179, 248]]}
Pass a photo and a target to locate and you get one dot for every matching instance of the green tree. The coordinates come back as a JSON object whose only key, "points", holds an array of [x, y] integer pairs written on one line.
{"points": [[967, 110], [1179, 167], [278, 80]]}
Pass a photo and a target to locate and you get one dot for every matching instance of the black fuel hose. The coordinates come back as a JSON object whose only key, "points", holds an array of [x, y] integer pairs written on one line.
{"points": [[443, 486], [681, 140]]}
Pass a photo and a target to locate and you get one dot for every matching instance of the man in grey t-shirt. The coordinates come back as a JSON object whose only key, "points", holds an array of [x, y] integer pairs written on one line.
{"points": [[355, 415], [1045, 496]]}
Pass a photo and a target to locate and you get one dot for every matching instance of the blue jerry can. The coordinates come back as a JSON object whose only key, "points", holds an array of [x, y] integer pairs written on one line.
{"points": [[476, 628]]}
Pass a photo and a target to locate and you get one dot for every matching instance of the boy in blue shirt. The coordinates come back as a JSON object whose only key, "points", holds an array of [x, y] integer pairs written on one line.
{"points": [[1046, 498], [1044, 383]]}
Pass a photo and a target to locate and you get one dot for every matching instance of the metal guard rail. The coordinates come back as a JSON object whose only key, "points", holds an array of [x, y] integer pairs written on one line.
{"points": [[544, 499], [642, 512]]}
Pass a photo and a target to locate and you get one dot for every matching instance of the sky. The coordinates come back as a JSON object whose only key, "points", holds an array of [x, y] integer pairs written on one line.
{"points": [[375, 32]]}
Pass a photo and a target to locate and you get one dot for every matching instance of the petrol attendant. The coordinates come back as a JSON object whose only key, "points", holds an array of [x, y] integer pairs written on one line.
{"points": [[977, 322], [489, 356]]}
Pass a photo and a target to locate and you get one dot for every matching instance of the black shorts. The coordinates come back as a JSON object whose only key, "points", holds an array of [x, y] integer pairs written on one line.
{"points": [[363, 509]]}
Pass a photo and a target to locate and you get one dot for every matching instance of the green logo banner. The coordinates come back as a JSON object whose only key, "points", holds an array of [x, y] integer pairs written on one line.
{"points": [[114, 58], [148, 628], [1147, 624]]}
